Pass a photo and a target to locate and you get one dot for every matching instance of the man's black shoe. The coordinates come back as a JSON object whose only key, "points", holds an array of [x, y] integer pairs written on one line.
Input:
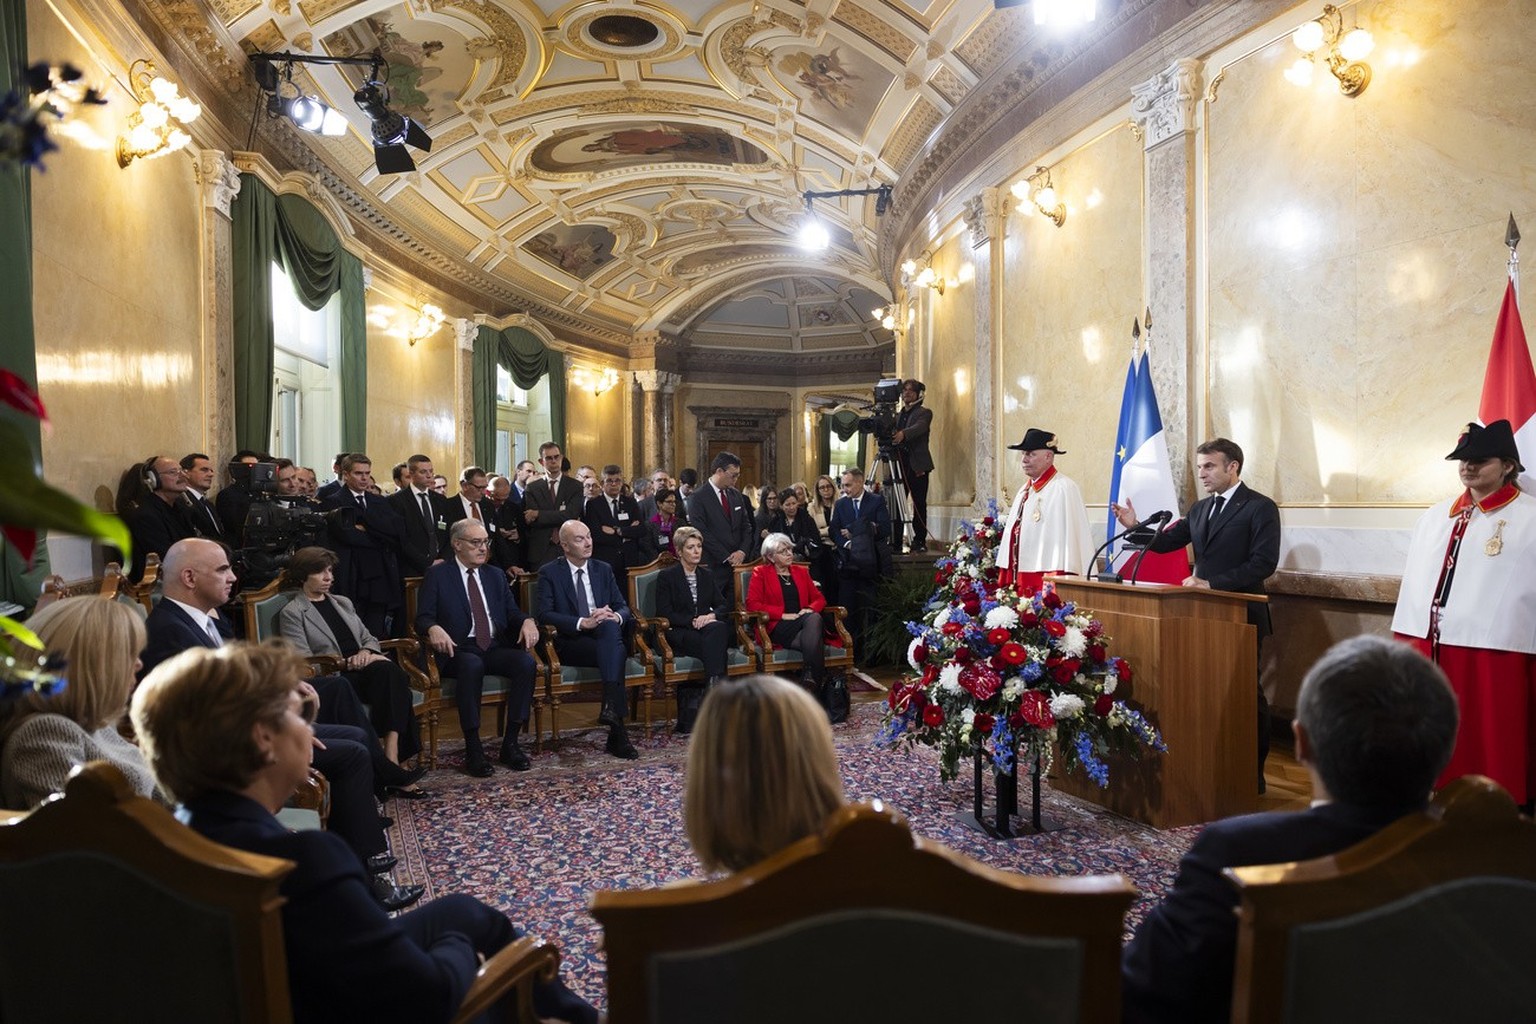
{"points": [[380, 863], [479, 768], [398, 778], [513, 757], [619, 745], [394, 897]]}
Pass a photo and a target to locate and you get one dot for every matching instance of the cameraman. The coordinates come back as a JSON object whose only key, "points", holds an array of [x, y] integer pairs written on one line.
{"points": [[911, 439]]}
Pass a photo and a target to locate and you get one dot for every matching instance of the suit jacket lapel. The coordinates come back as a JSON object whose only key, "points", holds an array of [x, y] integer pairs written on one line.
{"points": [[316, 622], [1238, 500]]}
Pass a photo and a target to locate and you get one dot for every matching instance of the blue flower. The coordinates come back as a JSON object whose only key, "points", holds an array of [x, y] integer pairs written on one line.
{"points": [[1031, 671], [1097, 770], [892, 730], [1002, 746]]}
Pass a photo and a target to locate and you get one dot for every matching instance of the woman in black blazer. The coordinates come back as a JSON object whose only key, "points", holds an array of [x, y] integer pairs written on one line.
{"points": [[794, 522], [686, 596]]}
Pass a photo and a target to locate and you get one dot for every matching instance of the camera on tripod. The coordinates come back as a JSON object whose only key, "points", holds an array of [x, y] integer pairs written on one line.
{"points": [[273, 531], [881, 420]]}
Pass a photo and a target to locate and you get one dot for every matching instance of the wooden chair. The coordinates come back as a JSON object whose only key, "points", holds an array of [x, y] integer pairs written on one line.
{"points": [[1431, 919], [672, 669], [845, 926], [772, 659], [261, 608], [147, 591], [161, 923], [572, 680], [493, 691], [110, 584]]}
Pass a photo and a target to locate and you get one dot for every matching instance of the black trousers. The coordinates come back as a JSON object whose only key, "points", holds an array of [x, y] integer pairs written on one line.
{"points": [[917, 489], [386, 690], [604, 649], [709, 645], [469, 665], [344, 763]]}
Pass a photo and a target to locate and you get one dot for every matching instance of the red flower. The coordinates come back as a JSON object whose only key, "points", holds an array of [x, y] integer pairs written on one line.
{"points": [[1102, 704], [920, 654], [1035, 708], [1028, 619], [899, 697], [1095, 630], [1055, 628], [933, 715], [1051, 600], [952, 628], [987, 521], [972, 605], [984, 723], [1123, 670], [938, 576], [998, 662], [998, 636], [964, 655], [1013, 653], [1096, 653], [980, 681], [1065, 670], [930, 673]]}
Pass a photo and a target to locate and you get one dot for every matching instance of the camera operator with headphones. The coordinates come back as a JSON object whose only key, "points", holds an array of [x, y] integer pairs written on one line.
{"points": [[149, 498], [911, 438]]}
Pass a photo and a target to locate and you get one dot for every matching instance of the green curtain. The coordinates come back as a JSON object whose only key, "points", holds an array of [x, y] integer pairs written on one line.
{"points": [[844, 424], [18, 348], [289, 230], [528, 360]]}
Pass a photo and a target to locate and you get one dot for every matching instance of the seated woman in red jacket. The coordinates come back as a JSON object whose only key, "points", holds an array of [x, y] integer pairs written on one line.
{"points": [[783, 591]]}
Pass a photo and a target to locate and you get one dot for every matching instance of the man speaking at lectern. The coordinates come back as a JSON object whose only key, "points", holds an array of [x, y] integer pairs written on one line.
{"points": [[1236, 534]]}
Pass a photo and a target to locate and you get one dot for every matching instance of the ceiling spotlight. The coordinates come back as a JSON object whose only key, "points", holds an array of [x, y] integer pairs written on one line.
{"points": [[392, 132], [311, 115], [814, 236]]}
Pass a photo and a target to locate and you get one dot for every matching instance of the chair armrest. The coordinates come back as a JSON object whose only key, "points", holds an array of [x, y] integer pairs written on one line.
{"points": [[839, 613], [325, 664], [409, 651], [314, 794], [660, 625], [547, 645], [504, 986]]}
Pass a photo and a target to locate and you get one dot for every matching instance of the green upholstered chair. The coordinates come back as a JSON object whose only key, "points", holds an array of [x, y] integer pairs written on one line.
{"points": [[1431, 919], [810, 933], [562, 681], [261, 610], [671, 668], [493, 691], [777, 659]]}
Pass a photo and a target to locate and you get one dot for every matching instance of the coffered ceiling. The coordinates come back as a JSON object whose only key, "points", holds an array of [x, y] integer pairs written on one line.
{"points": [[626, 167]]}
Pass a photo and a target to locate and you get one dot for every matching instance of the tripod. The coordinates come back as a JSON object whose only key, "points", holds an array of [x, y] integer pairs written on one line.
{"points": [[885, 472]]}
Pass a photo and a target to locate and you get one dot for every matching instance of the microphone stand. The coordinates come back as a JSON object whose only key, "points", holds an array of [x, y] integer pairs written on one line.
{"points": [[1163, 518], [1110, 577]]}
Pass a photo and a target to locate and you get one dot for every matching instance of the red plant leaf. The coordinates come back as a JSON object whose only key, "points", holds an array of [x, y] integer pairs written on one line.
{"points": [[23, 540], [18, 394]]}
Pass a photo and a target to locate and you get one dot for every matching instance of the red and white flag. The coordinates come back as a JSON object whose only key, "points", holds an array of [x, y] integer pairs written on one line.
{"points": [[1509, 387]]}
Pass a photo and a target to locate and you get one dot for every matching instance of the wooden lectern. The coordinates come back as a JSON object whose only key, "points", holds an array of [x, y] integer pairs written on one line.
{"points": [[1194, 662]]}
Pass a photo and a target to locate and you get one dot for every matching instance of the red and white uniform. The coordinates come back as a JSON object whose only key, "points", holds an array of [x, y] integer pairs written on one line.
{"points": [[1480, 559], [1046, 531]]}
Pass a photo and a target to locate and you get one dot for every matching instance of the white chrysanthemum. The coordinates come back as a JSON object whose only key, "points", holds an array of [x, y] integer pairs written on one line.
{"points": [[912, 653], [1110, 682], [964, 553], [1014, 689], [940, 617], [1002, 617], [1067, 705], [949, 678], [968, 717], [1074, 644]]}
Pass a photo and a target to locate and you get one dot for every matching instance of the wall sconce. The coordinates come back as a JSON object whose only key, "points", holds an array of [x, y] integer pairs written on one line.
{"points": [[428, 321], [925, 278], [159, 125], [1344, 53], [595, 381], [1039, 192]]}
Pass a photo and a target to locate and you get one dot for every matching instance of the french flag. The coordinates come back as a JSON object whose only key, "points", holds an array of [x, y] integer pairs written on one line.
{"points": [[1142, 474], [1509, 386]]}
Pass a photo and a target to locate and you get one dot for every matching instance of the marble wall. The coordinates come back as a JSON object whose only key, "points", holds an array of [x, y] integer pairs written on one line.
{"points": [[1355, 250], [594, 428], [1069, 296], [945, 360]]}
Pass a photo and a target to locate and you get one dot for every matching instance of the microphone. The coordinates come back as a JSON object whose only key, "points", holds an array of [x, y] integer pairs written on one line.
{"points": [[1112, 577], [1162, 520]]}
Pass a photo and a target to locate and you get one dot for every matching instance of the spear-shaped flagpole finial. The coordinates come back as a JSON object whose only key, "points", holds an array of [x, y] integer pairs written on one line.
{"points": [[1135, 335], [1512, 234], [1512, 239], [1146, 318]]}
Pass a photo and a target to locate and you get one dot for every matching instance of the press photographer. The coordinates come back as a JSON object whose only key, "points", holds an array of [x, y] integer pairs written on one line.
{"points": [[902, 456], [278, 521]]}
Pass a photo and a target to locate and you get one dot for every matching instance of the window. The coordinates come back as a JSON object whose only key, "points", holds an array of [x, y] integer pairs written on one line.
{"points": [[306, 404], [843, 455], [519, 415]]}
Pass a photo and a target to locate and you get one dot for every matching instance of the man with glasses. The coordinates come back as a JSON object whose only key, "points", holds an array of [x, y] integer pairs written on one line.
{"points": [[549, 503], [156, 520], [468, 615]]}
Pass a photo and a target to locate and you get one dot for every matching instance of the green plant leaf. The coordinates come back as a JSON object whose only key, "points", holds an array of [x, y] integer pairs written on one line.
{"points": [[20, 632], [26, 500]]}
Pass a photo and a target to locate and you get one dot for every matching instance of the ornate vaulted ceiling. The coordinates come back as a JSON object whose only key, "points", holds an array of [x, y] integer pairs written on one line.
{"points": [[628, 169]]}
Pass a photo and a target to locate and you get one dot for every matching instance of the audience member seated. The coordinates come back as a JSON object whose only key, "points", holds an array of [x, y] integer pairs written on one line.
{"points": [[318, 622], [664, 522], [42, 738], [204, 519], [579, 597], [699, 621], [1375, 724], [151, 500], [468, 615], [796, 523], [784, 593], [225, 734], [762, 772], [767, 508]]}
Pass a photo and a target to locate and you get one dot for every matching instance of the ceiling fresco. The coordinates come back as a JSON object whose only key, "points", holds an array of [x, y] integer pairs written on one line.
{"points": [[631, 166]]}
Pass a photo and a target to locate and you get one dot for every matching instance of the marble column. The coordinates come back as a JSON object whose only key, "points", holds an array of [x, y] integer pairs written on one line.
{"points": [[465, 331], [1165, 107], [986, 218], [658, 388], [218, 181]]}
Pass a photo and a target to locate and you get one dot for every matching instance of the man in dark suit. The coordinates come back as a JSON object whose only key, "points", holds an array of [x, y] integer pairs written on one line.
{"points": [[548, 504], [473, 501], [205, 521], [861, 529], [468, 615], [425, 516], [614, 520], [1375, 724], [580, 598], [335, 484], [159, 519], [720, 512], [911, 439], [197, 579], [367, 542], [234, 499], [1236, 534]]}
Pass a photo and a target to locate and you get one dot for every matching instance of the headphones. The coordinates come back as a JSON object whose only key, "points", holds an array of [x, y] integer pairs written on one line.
{"points": [[148, 475]]}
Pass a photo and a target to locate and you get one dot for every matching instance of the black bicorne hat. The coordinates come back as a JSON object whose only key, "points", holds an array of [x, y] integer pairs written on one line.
{"points": [[1034, 439], [1495, 441]]}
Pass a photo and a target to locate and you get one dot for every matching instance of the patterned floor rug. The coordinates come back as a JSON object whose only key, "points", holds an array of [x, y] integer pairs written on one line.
{"points": [[537, 844]]}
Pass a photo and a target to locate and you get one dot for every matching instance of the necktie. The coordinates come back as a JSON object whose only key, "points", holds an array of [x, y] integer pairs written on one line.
{"points": [[477, 611], [361, 503], [1210, 524], [426, 512], [725, 503], [855, 508], [615, 509], [474, 510], [582, 605], [213, 631], [213, 519]]}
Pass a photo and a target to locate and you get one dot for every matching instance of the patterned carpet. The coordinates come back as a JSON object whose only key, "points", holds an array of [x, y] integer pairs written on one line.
{"points": [[538, 844]]}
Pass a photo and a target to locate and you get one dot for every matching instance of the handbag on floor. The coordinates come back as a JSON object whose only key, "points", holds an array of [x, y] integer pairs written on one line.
{"points": [[834, 697]]}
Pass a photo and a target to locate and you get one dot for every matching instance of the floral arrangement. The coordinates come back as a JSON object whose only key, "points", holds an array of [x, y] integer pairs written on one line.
{"points": [[45, 91], [1010, 675]]}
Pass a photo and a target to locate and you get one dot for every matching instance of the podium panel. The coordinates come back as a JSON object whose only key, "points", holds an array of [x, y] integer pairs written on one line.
{"points": [[1194, 662]]}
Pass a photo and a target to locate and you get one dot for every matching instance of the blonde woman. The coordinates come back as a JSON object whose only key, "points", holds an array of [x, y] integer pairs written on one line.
{"points": [[762, 773], [44, 737]]}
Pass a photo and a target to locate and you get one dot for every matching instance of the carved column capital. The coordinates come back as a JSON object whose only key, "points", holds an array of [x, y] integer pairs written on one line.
{"points": [[647, 379], [1165, 105], [984, 215], [464, 332], [367, 277], [219, 179]]}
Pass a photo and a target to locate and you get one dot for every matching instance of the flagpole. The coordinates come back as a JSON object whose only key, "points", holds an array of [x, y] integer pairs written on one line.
{"points": [[1512, 239]]}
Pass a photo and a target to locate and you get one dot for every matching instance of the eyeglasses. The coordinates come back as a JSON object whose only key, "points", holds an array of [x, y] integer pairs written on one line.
{"points": [[474, 542]]}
